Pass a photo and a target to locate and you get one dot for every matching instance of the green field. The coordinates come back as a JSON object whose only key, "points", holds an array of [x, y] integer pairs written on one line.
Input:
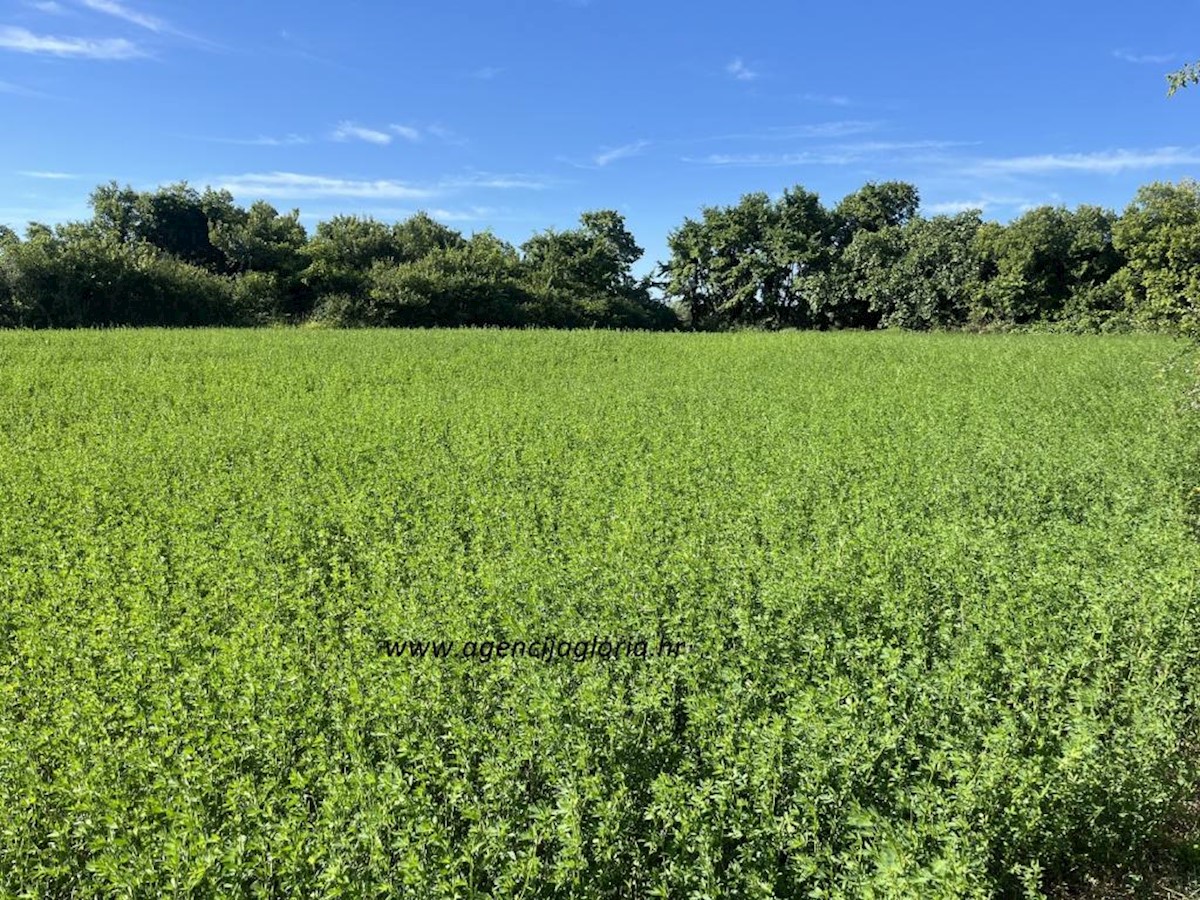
{"points": [[932, 607]]}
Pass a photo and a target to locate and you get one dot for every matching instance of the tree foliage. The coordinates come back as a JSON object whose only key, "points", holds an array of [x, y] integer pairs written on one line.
{"points": [[181, 256]]}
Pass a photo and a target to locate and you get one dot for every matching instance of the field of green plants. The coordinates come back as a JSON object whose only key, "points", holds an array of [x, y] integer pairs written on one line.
{"points": [[903, 615]]}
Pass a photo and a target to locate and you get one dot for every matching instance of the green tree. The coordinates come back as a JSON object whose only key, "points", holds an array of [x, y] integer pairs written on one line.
{"points": [[724, 268], [81, 275], [345, 248], [1159, 235], [802, 247], [342, 252], [265, 251], [584, 276], [475, 282], [10, 315], [874, 207], [918, 275], [176, 219], [1049, 264], [420, 234]]}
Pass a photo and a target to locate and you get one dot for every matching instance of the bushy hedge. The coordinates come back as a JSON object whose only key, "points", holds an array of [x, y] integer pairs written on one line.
{"points": [[178, 256]]}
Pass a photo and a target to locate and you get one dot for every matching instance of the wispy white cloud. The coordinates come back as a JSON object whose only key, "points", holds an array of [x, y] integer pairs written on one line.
{"points": [[953, 207], [495, 182], [828, 99], [296, 186], [1157, 59], [49, 176], [47, 6], [348, 131], [451, 214], [407, 132], [7, 87], [22, 40], [445, 134], [612, 154], [291, 185], [771, 160], [835, 155], [486, 73], [471, 214], [121, 11], [983, 203], [828, 129], [739, 70], [1104, 162], [817, 130], [126, 13], [899, 146], [290, 140]]}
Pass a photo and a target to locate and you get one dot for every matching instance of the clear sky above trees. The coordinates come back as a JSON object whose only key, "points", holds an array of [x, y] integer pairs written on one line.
{"points": [[520, 116]]}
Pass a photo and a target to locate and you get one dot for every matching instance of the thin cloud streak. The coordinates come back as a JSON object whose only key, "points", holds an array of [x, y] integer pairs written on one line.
{"points": [[296, 186], [1106, 162], [445, 134], [49, 176], [1156, 59], [816, 130], [836, 155], [607, 156], [120, 11], [348, 131], [413, 135], [22, 40], [828, 99], [954, 207], [16, 90], [291, 140], [151, 23], [495, 182], [983, 204], [291, 185], [773, 160], [474, 214]]}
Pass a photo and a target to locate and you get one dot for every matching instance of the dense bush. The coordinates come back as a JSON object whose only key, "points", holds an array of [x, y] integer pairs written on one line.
{"points": [[1160, 237], [871, 261]]}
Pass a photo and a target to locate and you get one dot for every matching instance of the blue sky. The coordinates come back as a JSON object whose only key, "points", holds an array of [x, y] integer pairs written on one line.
{"points": [[517, 115]]}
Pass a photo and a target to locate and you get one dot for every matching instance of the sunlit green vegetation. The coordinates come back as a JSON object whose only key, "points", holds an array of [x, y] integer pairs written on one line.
{"points": [[937, 595], [177, 256]]}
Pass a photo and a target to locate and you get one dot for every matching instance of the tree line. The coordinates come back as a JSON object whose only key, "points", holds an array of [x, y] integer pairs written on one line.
{"points": [[178, 256]]}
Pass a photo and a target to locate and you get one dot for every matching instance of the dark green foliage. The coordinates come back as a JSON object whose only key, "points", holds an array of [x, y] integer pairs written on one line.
{"points": [[869, 262], [583, 278], [342, 252], [176, 219], [477, 282], [756, 263], [875, 207], [873, 262], [1160, 236], [918, 275], [180, 257], [1046, 263], [79, 275]]}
